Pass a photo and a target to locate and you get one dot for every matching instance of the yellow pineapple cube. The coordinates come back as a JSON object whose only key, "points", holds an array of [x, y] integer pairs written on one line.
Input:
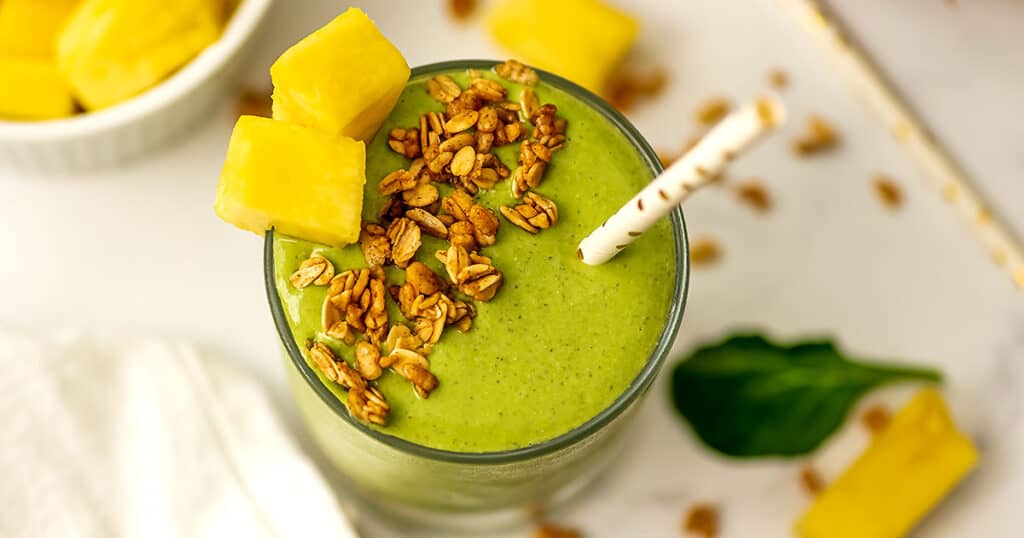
{"points": [[905, 472], [112, 50], [298, 180], [581, 40], [33, 90], [29, 28], [343, 79]]}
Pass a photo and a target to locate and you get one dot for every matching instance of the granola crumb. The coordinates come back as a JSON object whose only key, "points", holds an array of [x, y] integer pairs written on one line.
{"points": [[875, 418], [712, 111], [548, 530], [252, 102], [462, 10], [811, 480], [820, 136], [702, 520], [755, 194], [315, 270], [778, 78], [626, 88], [888, 191], [704, 251], [515, 71]]}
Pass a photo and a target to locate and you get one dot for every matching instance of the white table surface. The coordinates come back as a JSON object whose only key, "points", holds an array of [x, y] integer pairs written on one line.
{"points": [[138, 249]]}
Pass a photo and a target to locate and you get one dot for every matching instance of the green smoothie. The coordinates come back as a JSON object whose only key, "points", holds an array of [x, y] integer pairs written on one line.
{"points": [[561, 340]]}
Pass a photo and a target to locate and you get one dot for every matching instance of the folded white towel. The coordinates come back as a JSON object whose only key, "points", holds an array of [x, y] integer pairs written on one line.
{"points": [[117, 438]]}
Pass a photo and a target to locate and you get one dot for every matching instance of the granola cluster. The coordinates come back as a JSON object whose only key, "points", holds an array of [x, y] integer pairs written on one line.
{"points": [[450, 152]]}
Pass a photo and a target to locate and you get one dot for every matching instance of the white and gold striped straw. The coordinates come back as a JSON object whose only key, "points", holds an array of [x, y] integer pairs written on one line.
{"points": [[943, 173], [701, 165]]}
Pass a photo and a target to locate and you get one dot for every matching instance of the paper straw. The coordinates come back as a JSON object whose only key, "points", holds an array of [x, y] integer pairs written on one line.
{"points": [[944, 175], [700, 166]]}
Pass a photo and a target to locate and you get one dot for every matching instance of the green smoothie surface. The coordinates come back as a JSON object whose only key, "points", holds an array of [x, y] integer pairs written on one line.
{"points": [[561, 340]]}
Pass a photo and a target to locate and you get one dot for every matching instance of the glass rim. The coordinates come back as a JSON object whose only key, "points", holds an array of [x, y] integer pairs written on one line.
{"points": [[633, 391]]}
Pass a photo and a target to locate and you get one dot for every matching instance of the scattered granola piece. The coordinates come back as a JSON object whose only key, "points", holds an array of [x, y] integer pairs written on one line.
{"points": [[396, 182], [404, 235], [457, 204], [755, 194], [253, 102], [405, 359], [820, 137], [488, 90], [443, 88], [463, 161], [421, 195], [368, 360], [515, 71], [423, 279], [712, 111], [888, 191], [462, 234], [429, 224], [314, 270], [778, 78], [704, 251], [368, 405], [375, 245], [625, 89], [548, 530], [876, 418], [485, 225], [405, 142], [481, 281], [461, 10], [811, 480], [537, 213], [365, 402], [356, 303], [702, 520], [528, 103]]}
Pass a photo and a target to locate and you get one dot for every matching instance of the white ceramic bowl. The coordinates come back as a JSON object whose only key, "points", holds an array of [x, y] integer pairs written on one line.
{"points": [[145, 122]]}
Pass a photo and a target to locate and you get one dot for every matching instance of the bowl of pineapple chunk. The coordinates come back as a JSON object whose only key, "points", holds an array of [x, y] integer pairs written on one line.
{"points": [[92, 83]]}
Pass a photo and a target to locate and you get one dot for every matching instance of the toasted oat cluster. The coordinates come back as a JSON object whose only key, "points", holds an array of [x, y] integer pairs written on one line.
{"points": [[811, 480], [452, 149], [888, 191], [712, 111], [704, 251], [819, 137], [548, 530], [701, 520]]}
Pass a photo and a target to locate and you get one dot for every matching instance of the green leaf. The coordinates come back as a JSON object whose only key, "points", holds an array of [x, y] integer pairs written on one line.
{"points": [[747, 396]]}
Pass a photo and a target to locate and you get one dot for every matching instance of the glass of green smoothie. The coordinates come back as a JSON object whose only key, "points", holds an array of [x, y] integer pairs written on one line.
{"points": [[534, 400]]}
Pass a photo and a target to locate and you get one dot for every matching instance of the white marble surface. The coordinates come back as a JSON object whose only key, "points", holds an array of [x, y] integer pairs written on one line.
{"points": [[138, 249]]}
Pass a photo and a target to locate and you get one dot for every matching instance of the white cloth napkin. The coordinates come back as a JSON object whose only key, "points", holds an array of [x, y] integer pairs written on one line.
{"points": [[124, 438]]}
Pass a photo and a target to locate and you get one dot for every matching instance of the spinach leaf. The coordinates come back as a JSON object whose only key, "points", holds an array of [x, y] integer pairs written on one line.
{"points": [[747, 396]]}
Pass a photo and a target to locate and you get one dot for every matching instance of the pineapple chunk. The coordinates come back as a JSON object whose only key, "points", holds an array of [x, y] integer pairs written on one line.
{"points": [[29, 28], [343, 79], [581, 40], [112, 50], [906, 471], [33, 90], [296, 179]]}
